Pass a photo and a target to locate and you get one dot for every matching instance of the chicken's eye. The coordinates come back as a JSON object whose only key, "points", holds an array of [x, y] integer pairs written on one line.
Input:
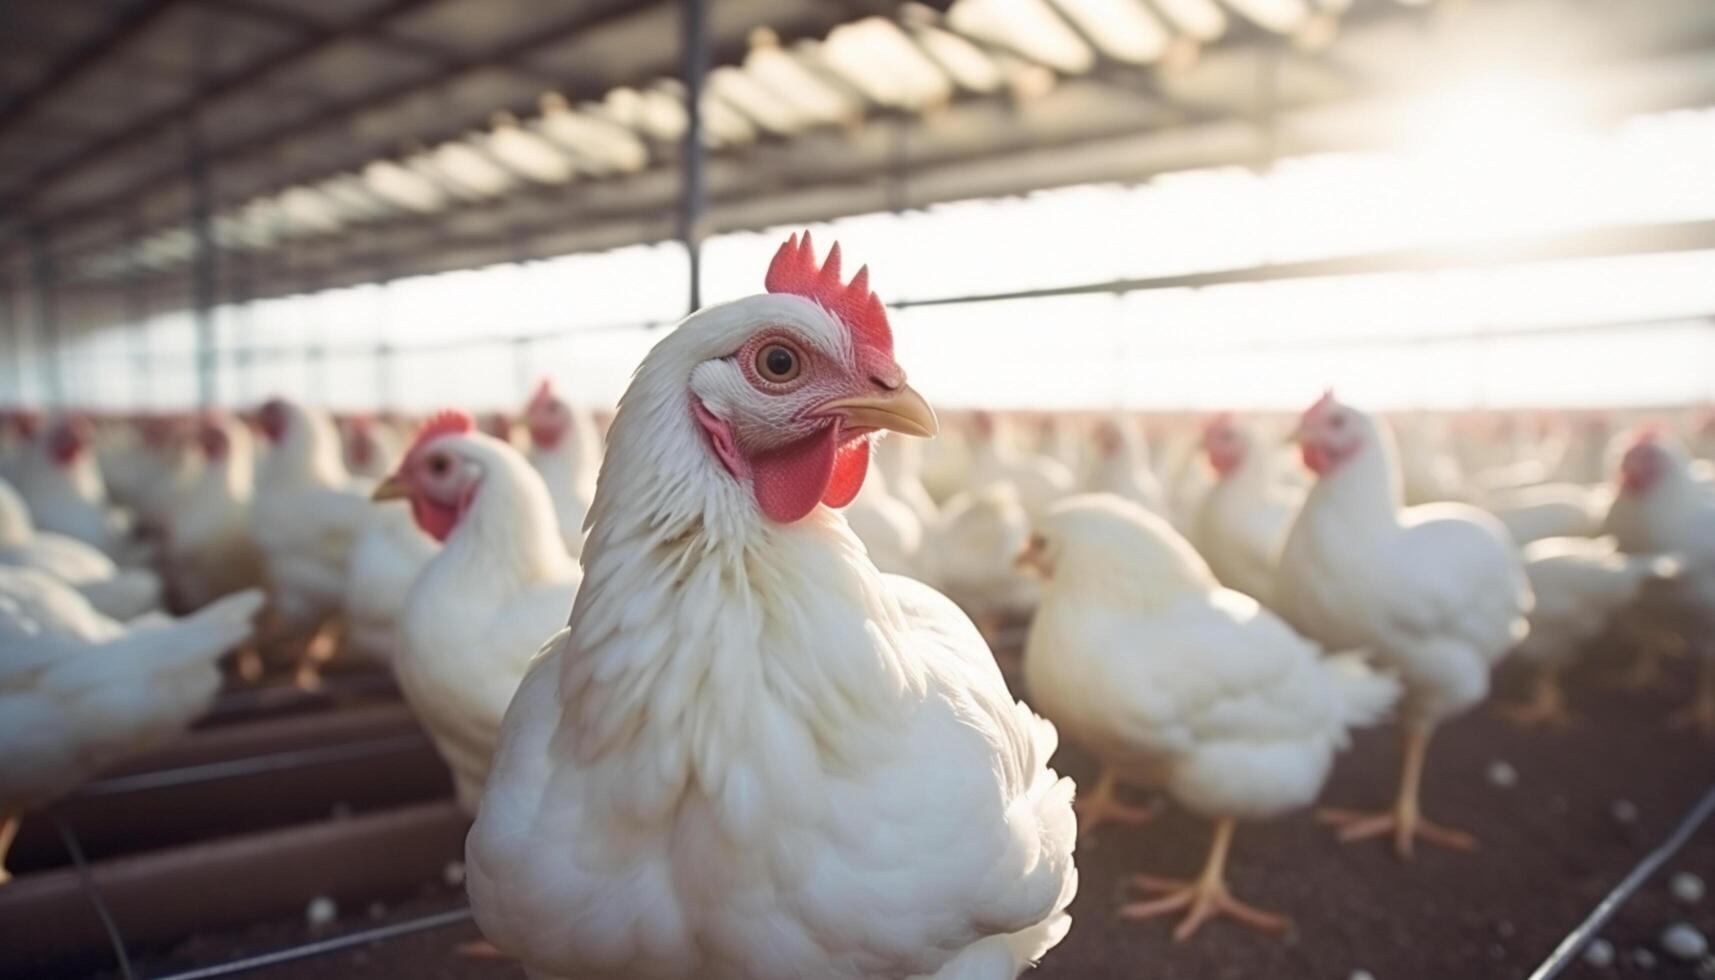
{"points": [[1338, 422], [778, 363], [439, 465]]}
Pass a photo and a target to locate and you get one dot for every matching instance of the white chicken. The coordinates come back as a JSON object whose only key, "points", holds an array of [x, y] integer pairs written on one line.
{"points": [[1436, 593], [995, 458], [565, 449], [1121, 465], [1664, 508], [1580, 586], [497, 590], [900, 462], [1243, 520], [1550, 510], [887, 526], [59, 481], [208, 545], [79, 692], [305, 517], [367, 448], [122, 593], [968, 555], [750, 754], [389, 554], [1140, 655]]}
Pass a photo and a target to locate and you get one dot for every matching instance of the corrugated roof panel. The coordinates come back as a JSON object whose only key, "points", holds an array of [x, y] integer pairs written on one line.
{"points": [[528, 153], [1201, 19], [876, 57], [1280, 16], [1029, 27], [655, 113], [602, 144], [755, 100], [1125, 30], [787, 77], [403, 187], [959, 58]]}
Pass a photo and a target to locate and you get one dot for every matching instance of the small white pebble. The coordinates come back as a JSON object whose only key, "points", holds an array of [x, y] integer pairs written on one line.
{"points": [[1686, 887], [1682, 941], [1361, 975], [1623, 811], [321, 911], [1599, 954], [1502, 775], [453, 874], [1643, 959]]}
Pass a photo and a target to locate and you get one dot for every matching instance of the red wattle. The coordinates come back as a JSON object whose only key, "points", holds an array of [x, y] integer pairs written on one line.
{"points": [[791, 481], [851, 465], [437, 520]]}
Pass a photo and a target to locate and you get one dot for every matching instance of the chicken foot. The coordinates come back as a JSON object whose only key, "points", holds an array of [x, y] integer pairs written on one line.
{"points": [[1103, 805], [1700, 714], [1405, 821], [1205, 898], [10, 818], [1546, 706]]}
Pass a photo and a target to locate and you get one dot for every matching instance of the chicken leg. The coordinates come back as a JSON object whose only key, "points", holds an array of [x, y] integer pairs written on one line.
{"points": [[1103, 805], [1205, 897], [1546, 706], [1700, 714], [1405, 821], [10, 818]]}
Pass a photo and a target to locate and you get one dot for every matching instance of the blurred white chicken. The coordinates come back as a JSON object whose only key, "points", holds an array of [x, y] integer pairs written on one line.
{"points": [[1580, 585], [565, 449], [1120, 465], [1140, 655], [389, 554], [887, 526], [79, 692], [1664, 508], [1436, 593], [995, 458], [305, 517], [969, 554], [900, 462], [59, 481], [1550, 510], [368, 448], [209, 549], [750, 754], [1429, 471], [499, 588], [122, 593], [1243, 520]]}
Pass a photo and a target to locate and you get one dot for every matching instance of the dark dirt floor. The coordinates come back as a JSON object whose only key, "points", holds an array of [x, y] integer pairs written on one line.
{"points": [[1553, 845]]}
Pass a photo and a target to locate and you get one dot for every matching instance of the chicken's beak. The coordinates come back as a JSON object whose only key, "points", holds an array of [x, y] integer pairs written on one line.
{"points": [[1031, 559], [902, 410], [392, 488]]}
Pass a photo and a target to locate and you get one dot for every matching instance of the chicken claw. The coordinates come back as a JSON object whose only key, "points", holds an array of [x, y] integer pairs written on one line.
{"points": [[1206, 897], [1103, 806], [1405, 821], [1546, 706]]}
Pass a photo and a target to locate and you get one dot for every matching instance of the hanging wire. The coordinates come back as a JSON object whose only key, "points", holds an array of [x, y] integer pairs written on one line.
{"points": [[87, 880], [322, 947], [1570, 947]]}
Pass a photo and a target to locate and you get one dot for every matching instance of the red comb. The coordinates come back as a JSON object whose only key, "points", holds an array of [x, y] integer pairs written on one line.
{"points": [[794, 270], [542, 393], [446, 422], [1322, 405]]}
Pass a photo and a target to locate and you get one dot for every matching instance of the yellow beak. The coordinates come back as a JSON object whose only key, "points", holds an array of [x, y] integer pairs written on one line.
{"points": [[392, 488], [902, 410]]}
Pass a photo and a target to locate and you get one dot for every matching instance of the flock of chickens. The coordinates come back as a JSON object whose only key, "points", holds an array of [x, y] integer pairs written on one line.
{"points": [[731, 710]]}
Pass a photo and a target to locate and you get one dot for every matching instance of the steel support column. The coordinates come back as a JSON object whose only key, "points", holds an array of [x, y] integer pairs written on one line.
{"points": [[47, 317], [695, 53]]}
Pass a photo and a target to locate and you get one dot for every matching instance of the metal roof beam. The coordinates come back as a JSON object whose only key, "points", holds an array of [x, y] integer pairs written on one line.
{"points": [[126, 25]]}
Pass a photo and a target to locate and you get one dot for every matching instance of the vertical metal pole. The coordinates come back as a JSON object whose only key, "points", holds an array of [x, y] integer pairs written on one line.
{"points": [[204, 284], [13, 330], [695, 52], [47, 316]]}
